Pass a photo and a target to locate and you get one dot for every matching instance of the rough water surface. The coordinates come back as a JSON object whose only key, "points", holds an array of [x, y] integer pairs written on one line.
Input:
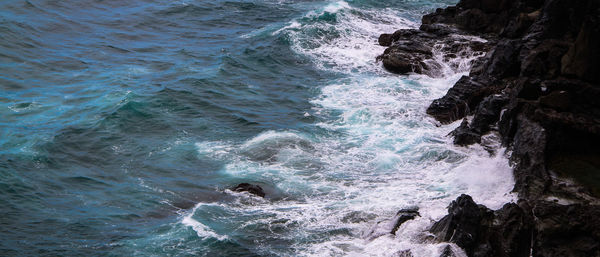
{"points": [[124, 123]]}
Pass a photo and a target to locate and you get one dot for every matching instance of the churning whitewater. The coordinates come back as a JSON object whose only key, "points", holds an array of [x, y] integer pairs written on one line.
{"points": [[377, 152], [152, 111]]}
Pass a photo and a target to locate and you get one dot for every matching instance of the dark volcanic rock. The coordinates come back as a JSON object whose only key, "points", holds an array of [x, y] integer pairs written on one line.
{"points": [[485, 16], [463, 97], [464, 223], [464, 135], [253, 189], [583, 58], [412, 51], [544, 61], [538, 83], [483, 232], [488, 113], [566, 230], [529, 144], [404, 215]]}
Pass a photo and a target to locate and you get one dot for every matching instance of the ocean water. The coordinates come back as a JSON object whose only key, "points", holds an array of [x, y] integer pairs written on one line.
{"points": [[124, 123]]}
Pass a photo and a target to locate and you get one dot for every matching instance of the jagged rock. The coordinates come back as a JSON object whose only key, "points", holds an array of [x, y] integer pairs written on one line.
{"points": [[487, 16], [503, 60], [412, 51], [252, 189], [488, 113], [483, 232], [404, 215], [544, 61], [463, 224], [539, 84], [464, 96], [464, 135], [529, 144], [440, 29]]}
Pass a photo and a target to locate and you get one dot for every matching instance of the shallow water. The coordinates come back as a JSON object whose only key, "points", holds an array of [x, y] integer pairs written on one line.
{"points": [[124, 123]]}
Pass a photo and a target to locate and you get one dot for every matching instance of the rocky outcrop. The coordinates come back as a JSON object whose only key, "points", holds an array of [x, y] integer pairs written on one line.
{"points": [[463, 135], [252, 189], [483, 232], [528, 85], [487, 16], [544, 228], [427, 50], [538, 87]]}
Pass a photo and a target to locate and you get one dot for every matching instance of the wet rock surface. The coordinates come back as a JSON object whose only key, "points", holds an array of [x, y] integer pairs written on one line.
{"points": [[404, 215], [426, 50], [392, 225], [463, 135], [538, 87], [250, 188], [483, 232]]}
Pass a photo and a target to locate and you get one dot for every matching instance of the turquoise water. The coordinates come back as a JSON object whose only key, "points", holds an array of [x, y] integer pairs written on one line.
{"points": [[124, 123]]}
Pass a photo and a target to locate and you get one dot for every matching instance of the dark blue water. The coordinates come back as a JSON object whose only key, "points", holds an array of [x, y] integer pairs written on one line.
{"points": [[123, 123]]}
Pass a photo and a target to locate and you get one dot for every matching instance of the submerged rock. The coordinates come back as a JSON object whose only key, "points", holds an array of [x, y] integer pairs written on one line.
{"points": [[252, 189]]}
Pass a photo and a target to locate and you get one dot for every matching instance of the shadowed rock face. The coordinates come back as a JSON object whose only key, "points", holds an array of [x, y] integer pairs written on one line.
{"points": [[528, 85], [538, 86]]}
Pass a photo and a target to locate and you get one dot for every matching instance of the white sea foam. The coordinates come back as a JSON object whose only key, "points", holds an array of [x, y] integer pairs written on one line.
{"points": [[348, 44], [381, 153], [202, 230]]}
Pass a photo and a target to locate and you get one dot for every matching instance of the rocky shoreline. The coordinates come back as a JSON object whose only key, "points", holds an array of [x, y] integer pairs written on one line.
{"points": [[537, 86]]}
